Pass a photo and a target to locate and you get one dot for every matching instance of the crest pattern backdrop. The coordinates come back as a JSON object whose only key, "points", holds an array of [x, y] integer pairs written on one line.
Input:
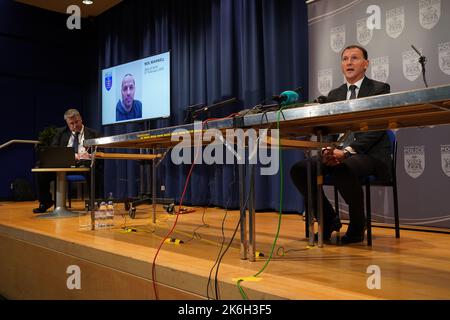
{"points": [[423, 156]]}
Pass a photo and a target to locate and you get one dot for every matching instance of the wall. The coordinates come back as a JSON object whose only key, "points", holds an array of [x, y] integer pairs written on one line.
{"points": [[424, 24]]}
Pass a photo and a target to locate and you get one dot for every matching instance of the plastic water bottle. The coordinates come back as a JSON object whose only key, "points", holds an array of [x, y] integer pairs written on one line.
{"points": [[110, 214], [110, 210], [100, 216]]}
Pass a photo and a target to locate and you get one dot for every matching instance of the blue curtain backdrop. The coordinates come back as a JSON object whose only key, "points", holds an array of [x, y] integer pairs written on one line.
{"points": [[42, 74], [248, 49]]}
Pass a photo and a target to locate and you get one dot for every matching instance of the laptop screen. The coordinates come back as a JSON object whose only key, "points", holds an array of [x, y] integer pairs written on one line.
{"points": [[57, 157]]}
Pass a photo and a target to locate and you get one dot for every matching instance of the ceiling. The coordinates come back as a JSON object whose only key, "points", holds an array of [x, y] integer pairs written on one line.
{"points": [[98, 7], [92, 10]]}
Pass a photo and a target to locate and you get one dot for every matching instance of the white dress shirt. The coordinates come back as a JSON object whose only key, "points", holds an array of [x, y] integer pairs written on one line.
{"points": [[81, 148], [349, 92], [358, 86]]}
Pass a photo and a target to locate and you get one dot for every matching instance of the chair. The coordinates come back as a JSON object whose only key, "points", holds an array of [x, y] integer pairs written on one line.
{"points": [[373, 181], [75, 179]]}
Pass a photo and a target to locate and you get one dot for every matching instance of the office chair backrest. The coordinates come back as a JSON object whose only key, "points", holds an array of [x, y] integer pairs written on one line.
{"points": [[393, 140]]}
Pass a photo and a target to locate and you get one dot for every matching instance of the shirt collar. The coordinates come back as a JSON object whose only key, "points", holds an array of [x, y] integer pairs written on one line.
{"points": [[81, 131], [357, 84]]}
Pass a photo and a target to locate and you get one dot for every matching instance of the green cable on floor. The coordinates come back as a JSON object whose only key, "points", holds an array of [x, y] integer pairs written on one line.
{"points": [[241, 290]]}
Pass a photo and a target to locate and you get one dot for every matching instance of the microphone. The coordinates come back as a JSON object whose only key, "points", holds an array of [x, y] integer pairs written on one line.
{"points": [[422, 61], [288, 97], [190, 112], [213, 106], [418, 52], [321, 99]]}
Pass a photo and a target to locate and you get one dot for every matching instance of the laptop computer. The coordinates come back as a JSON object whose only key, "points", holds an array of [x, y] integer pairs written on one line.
{"points": [[57, 157]]}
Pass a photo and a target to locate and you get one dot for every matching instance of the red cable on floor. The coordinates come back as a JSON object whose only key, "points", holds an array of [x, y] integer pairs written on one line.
{"points": [[175, 223], [178, 213]]}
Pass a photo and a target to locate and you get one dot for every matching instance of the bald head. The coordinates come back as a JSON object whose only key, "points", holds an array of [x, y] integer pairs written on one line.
{"points": [[128, 89]]}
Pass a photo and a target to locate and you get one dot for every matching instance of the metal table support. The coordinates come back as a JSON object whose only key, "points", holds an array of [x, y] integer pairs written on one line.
{"points": [[92, 195], [154, 187], [319, 194], [309, 213], [61, 190], [251, 214], [243, 211]]}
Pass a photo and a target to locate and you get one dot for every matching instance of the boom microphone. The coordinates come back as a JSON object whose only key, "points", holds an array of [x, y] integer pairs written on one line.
{"points": [[415, 49]]}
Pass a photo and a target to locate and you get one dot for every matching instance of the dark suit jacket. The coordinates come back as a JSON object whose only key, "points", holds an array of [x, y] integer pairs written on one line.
{"points": [[62, 136], [374, 143]]}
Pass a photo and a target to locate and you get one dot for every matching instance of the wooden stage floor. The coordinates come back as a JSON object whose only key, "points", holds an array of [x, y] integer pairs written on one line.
{"points": [[115, 264]]}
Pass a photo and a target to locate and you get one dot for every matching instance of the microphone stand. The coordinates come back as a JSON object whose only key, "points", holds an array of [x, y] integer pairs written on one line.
{"points": [[196, 113], [422, 61]]}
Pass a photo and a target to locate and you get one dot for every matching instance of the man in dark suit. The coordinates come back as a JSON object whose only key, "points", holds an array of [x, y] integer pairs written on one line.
{"points": [[365, 153], [73, 135]]}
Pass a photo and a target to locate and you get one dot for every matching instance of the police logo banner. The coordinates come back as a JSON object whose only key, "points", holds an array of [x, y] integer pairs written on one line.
{"points": [[108, 81], [411, 65], [414, 160], [395, 22], [325, 81], [444, 57], [429, 13], [380, 68], [445, 159], [337, 38], [363, 34]]}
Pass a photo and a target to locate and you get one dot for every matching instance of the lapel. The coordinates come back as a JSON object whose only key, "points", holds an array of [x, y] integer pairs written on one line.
{"points": [[87, 133], [65, 137], [342, 93], [366, 88]]}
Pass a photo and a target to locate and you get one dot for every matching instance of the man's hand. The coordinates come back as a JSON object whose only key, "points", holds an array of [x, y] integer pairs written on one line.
{"points": [[332, 157], [82, 156], [339, 155], [328, 157]]}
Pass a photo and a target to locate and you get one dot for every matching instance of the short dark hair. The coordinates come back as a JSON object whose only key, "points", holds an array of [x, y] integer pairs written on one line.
{"points": [[354, 46]]}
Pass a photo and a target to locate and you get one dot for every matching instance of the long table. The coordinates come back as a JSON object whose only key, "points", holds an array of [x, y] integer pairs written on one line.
{"points": [[415, 108]]}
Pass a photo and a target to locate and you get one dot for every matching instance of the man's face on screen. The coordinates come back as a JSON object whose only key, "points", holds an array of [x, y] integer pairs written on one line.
{"points": [[353, 64], [75, 124], [128, 88]]}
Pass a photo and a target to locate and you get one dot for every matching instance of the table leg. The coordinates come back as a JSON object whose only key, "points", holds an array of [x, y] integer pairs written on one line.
{"points": [[319, 193], [310, 214], [60, 210], [92, 197], [154, 187], [251, 215], [241, 168]]}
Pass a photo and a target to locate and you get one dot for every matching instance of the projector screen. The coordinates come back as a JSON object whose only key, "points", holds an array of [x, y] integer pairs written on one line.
{"points": [[136, 91]]}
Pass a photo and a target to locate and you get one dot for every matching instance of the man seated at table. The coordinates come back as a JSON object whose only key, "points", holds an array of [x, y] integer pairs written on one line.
{"points": [[361, 154], [73, 135]]}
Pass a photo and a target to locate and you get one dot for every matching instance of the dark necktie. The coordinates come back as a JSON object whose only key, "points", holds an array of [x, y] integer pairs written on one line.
{"points": [[76, 142], [353, 91]]}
